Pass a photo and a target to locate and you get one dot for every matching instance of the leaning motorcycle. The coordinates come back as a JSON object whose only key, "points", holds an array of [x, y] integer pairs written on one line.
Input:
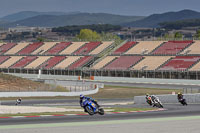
{"points": [[157, 103], [183, 102], [91, 108], [149, 101]]}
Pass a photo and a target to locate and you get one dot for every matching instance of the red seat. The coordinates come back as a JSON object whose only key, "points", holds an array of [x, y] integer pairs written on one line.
{"points": [[80, 62], [124, 48], [30, 48], [88, 47], [180, 63], [24, 61], [123, 62], [58, 48]]}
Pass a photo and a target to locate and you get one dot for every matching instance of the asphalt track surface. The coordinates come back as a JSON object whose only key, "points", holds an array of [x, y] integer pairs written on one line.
{"points": [[176, 118]]}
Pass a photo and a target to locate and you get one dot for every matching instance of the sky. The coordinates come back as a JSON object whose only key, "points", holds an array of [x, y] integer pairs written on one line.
{"points": [[121, 7]]}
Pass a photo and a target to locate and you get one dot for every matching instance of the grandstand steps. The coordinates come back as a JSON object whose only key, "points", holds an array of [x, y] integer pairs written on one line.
{"points": [[80, 62], [23, 59], [56, 49], [131, 47], [58, 62], [6, 47], [110, 62], [30, 48], [95, 48], [87, 48], [124, 48], [193, 64], [51, 62], [185, 48], [137, 62], [164, 63], [65, 48], [4, 59], [152, 52], [116, 47]]}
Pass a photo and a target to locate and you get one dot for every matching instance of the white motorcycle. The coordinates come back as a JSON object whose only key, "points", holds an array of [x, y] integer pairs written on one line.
{"points": [[157, 103]]}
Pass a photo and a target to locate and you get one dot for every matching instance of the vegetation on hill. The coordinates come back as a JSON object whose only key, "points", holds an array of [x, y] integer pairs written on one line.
{"points": [[181, 24], [155, 19], [75, 29], [73, 19]]}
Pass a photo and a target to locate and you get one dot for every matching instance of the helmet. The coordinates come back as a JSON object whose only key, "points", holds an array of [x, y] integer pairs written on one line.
{"points": [[179, 93], [82, 96], [147, 94]]}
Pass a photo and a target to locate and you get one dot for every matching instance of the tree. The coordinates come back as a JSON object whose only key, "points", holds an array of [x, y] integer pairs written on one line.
{"points": [[88, 35], [178, 35], [197, 35], [40, 39]]}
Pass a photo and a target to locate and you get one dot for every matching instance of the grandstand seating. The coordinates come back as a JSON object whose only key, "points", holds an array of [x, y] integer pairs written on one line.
{"points": [[123, 62], [85, 49], [81, 62], [144, 47], [16, 49], [171, 47], [180, 63], [5, 47], [58, 48], [103, 62], [66, 62], [30, 48], [52, 62], [100, 48], [193, 49], [36, 63], [124, 48], [45, 47], [73, 47], [196, 67], [12, 60], [3, 59], [24, 61], [151, 62]]}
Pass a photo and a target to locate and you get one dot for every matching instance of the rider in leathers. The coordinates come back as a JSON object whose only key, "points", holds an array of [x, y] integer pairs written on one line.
{"points": [[82, 98]]}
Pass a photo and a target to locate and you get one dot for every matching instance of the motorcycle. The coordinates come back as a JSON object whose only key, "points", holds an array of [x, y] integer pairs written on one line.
{"points": [[183, 102], [149, 101], [157, 103], [18, 101], [91, 108]]}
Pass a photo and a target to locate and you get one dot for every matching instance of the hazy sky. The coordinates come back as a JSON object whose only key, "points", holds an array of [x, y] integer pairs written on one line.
{"points": [[123, 7]]}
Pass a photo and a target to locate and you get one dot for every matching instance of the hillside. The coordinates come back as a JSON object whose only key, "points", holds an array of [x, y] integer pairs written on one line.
{"points": [[181, 24], [13, 83], [28, 14], [155, 19], [73, 19]]}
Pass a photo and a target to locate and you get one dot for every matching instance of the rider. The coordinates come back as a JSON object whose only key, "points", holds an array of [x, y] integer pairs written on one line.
{"points": [[82, 98], [18, 101], [153, 98], [180, 96]]}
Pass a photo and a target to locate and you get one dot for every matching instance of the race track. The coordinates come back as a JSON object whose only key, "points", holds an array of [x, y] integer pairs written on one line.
{"points": [[175, 118]]}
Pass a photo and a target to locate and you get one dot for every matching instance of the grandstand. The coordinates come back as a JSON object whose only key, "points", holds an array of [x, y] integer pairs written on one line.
{"points": [[166, 59], [124, 48], [150, 63], [171, 47], [123, 62], [144, 47]]}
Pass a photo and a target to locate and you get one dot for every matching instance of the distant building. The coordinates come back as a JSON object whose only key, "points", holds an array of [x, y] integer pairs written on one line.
{"points": [[27, 29]]}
